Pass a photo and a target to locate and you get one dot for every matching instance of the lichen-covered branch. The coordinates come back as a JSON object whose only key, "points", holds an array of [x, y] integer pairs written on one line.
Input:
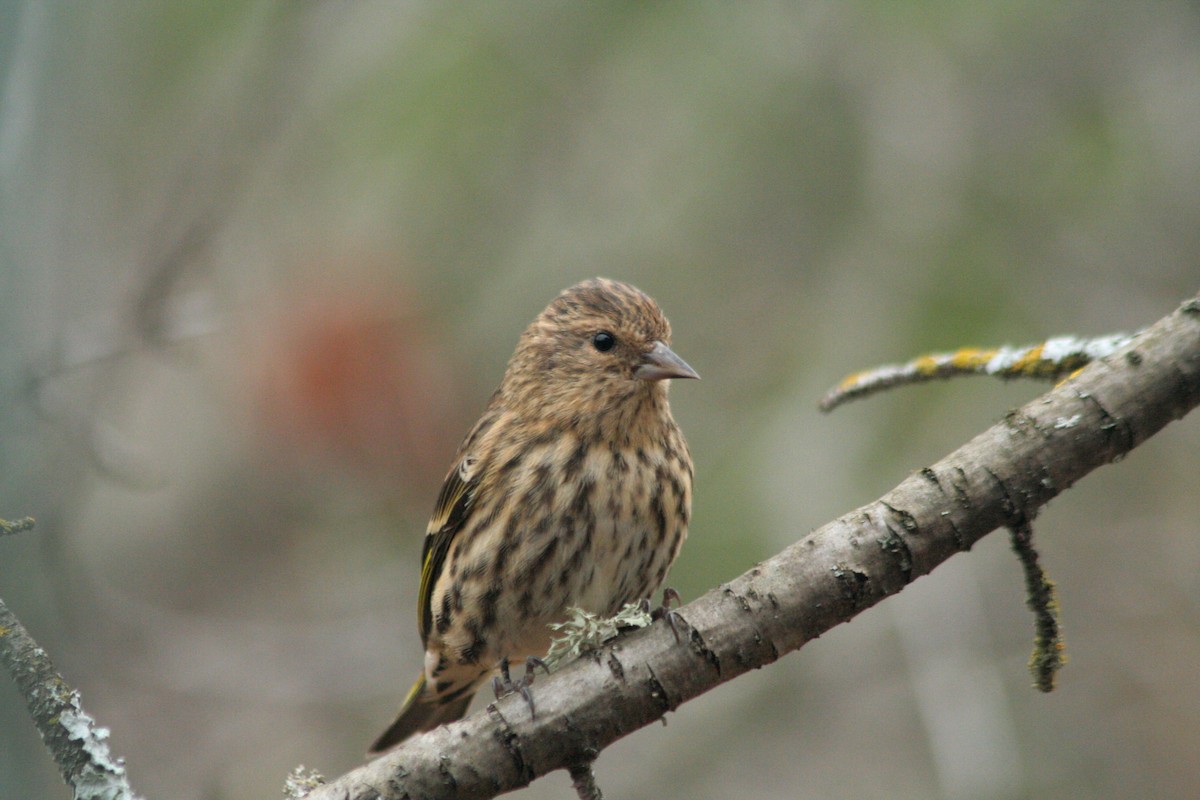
{"points": [[1048, 656], [16, 526], [1050, 360], [999, 479], [76, 743]]}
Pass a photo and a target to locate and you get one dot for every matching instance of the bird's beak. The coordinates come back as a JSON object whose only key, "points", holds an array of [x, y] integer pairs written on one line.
{"points": [[662, 363]]}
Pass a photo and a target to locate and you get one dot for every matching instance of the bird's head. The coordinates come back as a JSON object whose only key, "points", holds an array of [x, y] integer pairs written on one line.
{"points": [[601, 348]]}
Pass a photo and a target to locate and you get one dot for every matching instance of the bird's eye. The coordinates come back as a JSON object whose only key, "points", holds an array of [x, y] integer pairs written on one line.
{"points": [[604, 341]]}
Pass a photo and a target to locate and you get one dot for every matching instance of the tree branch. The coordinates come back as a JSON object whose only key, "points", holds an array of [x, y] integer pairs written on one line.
{"points": [[79, 747], [16, 526], [1000, 478]]}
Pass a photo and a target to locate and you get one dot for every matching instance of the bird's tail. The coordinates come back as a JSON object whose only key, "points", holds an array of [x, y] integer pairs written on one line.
{"points": [[422, 711]]}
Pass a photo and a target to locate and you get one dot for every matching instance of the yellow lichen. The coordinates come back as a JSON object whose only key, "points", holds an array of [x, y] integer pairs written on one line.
{"points": [[926, 365], [1027, 364], [971, 358]]}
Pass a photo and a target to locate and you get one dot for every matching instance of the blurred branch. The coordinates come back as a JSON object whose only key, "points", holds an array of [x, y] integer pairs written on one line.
{"points": [[77, 745], [1001, 478], [1052, 359], [16, 526]]}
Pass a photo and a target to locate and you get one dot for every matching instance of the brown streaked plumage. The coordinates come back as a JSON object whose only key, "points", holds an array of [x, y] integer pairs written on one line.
{"points": [[573, 489]]}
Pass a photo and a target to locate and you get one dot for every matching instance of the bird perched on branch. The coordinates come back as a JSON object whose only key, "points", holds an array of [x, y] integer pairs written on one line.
{"points": [[573, 489]]}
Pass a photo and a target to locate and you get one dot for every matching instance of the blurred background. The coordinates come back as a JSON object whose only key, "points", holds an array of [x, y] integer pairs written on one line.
{"points": [[262, 263]]}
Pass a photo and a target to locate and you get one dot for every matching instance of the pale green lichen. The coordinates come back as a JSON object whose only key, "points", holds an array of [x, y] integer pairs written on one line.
{"points": [[300, 781], [102, 776], [16, 526], [584, 632]]}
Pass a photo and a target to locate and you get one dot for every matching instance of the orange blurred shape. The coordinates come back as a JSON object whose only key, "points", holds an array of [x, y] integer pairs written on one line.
{"points": [[357, 374]]}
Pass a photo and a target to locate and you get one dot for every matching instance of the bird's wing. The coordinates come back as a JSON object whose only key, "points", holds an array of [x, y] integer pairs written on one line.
{"points": [[453, 506]]}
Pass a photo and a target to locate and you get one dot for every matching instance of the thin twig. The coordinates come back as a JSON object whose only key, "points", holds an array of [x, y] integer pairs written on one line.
{"points": [[1052, 359], [1048, 648], [584, 781]]}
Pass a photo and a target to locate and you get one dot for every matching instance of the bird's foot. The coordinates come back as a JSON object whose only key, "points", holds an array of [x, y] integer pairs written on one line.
{"points": [[503, 684], [664, 611]]}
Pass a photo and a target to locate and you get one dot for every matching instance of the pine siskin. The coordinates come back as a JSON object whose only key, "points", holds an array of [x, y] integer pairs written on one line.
{"points": [[573, 489]]}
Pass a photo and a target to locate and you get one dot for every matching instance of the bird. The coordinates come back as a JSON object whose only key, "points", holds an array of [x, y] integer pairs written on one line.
{"points": [[572, 490]]}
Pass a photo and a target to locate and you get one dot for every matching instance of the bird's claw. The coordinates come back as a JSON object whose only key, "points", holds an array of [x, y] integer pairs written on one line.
{"points": [[664, 611], [503, 684]]}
